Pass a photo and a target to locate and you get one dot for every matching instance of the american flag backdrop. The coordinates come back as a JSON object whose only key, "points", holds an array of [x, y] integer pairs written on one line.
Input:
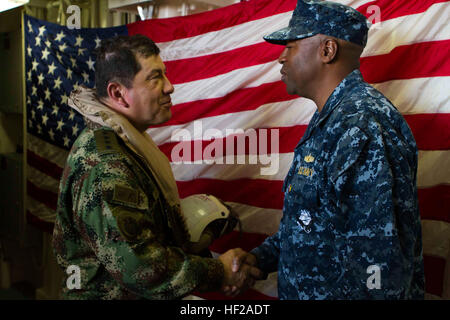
{"points": [[226, 77]]}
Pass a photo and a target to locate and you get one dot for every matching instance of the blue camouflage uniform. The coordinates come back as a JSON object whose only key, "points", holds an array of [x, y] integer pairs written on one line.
{"points": [[350, 203], [351, 226]]}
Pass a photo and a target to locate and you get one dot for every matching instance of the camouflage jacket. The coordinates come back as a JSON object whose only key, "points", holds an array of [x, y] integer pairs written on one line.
{"points": [[351, 227], [112, 224]]}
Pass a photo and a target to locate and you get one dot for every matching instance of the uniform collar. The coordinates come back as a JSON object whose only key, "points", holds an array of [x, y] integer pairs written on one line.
{"points": [[339, 93], [333, 101]]}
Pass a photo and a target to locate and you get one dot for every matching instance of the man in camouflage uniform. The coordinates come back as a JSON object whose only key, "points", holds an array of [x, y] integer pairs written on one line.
{"points": [[118, 217], [351, 227]]}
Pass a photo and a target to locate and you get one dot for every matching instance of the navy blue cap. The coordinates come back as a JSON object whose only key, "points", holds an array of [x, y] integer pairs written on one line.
{"points": [[312, 17]]}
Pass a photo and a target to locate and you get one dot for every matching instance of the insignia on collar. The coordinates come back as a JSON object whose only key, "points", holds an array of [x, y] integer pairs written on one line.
{"points": [[309, 158]]}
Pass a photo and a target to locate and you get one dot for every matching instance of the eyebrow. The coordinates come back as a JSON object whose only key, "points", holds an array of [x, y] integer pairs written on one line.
{"points": [[156, 71]]}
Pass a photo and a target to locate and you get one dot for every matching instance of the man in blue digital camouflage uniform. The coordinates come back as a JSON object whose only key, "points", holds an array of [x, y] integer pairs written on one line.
{"points": [[351, 227]]}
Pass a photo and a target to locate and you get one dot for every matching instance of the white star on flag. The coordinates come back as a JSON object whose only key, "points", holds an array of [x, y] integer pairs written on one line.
{"points": [[71, 114], [69, 73], [44, 119], [45, 54], [66, 141], [60, 125], [41, 31], [40, 105], [51, 134], [35, 65], [51, 68], [62, 47], [57, 83], [59, 36], [79, 40], [75, 130], [40, 78], [55, 109], [64, 98], [97, 42], [47, 94], [30, 28], [90, 64], [85, 77]]}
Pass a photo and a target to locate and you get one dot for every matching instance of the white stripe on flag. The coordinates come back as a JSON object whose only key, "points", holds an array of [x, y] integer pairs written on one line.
{"points": [[221, 85], [420, 95], [46, 150], [436, 238], [433, 168], [40, 210]]}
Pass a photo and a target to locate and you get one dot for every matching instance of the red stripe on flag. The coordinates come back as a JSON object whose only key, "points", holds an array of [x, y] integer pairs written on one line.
{"points": [[425, 59], [254, 192], [46, 197], [431, 131], [393, 9], [162, 30], [44, 165], [186, 70], [434, 274], [434, 203]]}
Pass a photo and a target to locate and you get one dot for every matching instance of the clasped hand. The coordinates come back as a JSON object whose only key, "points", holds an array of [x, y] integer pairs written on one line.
{"points": [[240, 271]]}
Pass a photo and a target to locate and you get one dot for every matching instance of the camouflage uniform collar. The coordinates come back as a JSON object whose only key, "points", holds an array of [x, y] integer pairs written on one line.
{"points": [[339, 93]]}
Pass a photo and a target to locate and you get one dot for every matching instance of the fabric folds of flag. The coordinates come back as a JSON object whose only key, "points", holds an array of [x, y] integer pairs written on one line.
{"points": [[229, 98]]}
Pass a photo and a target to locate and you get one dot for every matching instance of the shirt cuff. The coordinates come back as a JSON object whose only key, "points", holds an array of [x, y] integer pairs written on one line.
{"points": [[212, 277]]}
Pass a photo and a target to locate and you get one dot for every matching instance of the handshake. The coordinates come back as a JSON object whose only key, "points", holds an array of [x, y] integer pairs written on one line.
{"points": [[240, 272]]}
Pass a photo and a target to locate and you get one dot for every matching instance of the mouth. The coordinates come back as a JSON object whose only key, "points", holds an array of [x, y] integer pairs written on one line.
{"points": [[166, 104], [283, 75]]}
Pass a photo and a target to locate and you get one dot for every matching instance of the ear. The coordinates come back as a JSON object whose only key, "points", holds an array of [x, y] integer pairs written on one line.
{"points": [[117, 95], [328, 50]]}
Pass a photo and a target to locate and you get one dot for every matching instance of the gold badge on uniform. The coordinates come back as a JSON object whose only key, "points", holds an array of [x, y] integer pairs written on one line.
{"points": [[309, 158]]}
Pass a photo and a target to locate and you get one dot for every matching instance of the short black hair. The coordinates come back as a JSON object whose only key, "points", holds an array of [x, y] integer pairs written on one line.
{"points": [[117, 60]]}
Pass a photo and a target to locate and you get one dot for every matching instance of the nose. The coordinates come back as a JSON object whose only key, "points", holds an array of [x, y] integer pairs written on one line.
{"points": [[168, 87], [282, 57]]}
